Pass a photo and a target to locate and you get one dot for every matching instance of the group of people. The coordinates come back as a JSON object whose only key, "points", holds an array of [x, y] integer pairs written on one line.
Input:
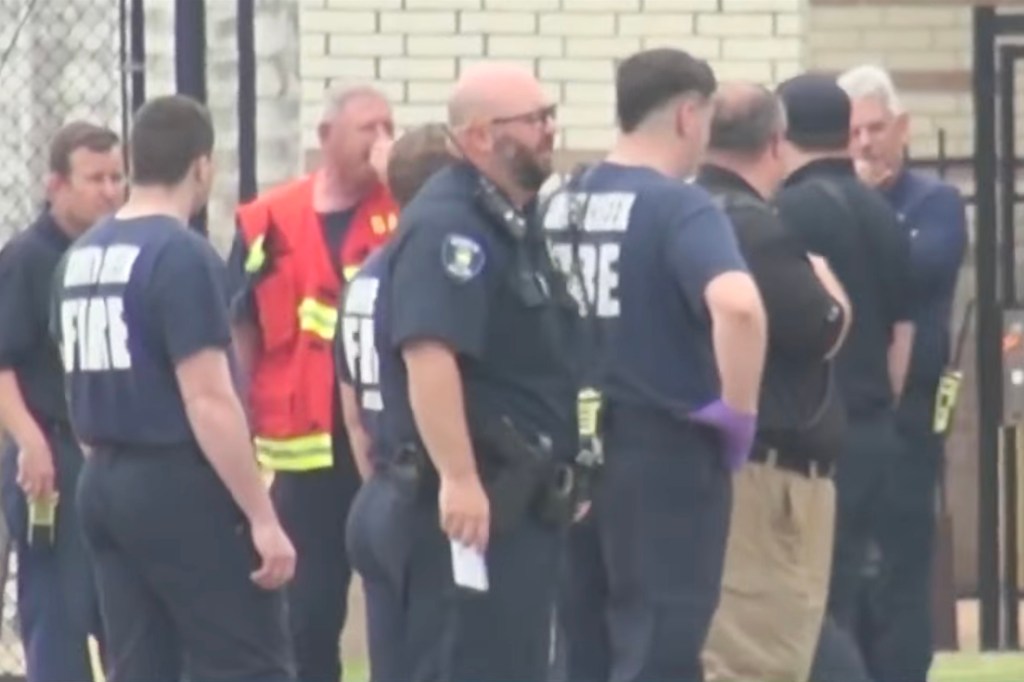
{"points": [[646, 425]]}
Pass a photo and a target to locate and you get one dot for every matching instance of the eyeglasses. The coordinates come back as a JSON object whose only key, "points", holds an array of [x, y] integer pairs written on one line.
{"points": [[535, 117]]}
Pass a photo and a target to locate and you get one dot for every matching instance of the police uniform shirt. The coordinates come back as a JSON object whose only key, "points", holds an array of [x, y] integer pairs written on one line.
{"points": [[933, 214], [804, 322], [458, 276], [355, 351], [676, 242], [27, 264], [870, 254], [132, 298]]}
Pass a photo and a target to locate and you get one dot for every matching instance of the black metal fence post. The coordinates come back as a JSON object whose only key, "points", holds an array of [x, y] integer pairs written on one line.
{"points": [[190, 62], [988, 352], [247, 183]]}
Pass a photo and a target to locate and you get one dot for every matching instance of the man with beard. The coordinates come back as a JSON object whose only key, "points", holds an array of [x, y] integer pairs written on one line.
{"points": [[473, 331], [679, 361]]}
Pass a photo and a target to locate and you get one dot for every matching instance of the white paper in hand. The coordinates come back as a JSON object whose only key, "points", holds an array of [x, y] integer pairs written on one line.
{"points": [[469, 567]]}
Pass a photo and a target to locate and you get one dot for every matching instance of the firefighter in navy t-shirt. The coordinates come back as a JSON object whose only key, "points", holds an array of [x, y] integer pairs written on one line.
{"points": [[188, 552]]}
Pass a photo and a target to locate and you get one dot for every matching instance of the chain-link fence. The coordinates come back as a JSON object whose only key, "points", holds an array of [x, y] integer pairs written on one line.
{"points": [[59, 60]]}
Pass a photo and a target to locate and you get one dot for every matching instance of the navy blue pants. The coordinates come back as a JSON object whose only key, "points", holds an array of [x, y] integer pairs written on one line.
{"points": [[457, 635], [313, 507], [57, 602], [379, 543], [886, 493], [662, 522], [173, 558], [899, 637]]}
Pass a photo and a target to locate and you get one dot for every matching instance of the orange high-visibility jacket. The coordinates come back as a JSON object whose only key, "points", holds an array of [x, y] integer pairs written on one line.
{"points": [[296, 292]]}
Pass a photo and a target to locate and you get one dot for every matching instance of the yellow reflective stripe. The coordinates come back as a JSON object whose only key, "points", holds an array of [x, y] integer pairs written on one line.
{"points": [[257, 256], [350, 271], [317, 318], [295, 454]]}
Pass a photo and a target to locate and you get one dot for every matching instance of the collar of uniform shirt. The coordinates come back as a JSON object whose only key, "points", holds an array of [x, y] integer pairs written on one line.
{"points": [[713, 176], [838, 167]]}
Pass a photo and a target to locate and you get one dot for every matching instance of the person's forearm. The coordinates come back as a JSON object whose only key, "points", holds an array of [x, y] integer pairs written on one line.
{"points": [[435, 395], [740, 338], [219, 426], [14, 415], [899, 356]]}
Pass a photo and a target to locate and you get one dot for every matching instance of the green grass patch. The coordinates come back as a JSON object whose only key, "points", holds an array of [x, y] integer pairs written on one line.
{"points": [[971, 667]]}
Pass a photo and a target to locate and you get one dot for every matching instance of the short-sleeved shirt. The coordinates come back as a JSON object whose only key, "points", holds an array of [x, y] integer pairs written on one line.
{"points": [[677, 241], [27, 264], [797, 410], [869, 252], [934, 216], [132, 299], [458, 277], [355, 350]]}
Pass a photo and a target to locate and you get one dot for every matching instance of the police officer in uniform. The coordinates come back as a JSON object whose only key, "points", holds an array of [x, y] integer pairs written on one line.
{"points": [[188, 552], [851, 226], [932, 212], [57, 607], [478, 392], [374, 536], [682, 365]]}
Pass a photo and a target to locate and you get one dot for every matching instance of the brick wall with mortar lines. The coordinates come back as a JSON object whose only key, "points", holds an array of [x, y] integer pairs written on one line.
{"points": [[905, 38], [416, 48]]}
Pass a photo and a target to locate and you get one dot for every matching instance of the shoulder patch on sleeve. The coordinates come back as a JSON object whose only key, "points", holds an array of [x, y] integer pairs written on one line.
{"points": [[462, 257]]}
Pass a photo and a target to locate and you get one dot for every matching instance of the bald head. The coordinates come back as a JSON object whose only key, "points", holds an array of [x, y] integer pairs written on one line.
{"points": [[492, 90], [746, 118]]}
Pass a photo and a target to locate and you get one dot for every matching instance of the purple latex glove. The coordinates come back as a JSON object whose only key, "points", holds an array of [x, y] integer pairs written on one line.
{"points": [[735, 428]]}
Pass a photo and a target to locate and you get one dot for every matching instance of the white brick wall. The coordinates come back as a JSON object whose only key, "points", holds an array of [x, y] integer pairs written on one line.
{"points": [[903, 37], [417, 49]]}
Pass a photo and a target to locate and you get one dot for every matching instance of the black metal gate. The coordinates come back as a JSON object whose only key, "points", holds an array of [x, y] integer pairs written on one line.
{"points": [[998, 47]]}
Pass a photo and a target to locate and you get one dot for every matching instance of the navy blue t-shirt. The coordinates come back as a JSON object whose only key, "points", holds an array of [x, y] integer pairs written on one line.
{"points": [[355, 351], [457, 276], [676, 241], [132, 299], [27, 264]]}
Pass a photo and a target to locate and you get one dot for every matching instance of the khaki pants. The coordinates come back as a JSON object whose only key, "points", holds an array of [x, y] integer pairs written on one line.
{"points": [[775, 583]]}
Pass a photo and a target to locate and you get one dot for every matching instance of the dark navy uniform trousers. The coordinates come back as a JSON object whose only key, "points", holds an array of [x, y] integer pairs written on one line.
{"points": [[649, 563], [313, 507], [457, 635], [886, 494], [379, 541], [173, 558], [57, 603]]}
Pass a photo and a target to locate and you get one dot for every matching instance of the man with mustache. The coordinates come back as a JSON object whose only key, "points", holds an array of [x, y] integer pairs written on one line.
{"points": [[473, 327], [297, 247]]}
